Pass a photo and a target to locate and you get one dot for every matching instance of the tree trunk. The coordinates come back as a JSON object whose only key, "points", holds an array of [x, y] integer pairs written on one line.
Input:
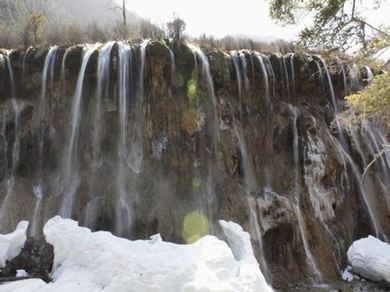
{"points": [[124, 19]]}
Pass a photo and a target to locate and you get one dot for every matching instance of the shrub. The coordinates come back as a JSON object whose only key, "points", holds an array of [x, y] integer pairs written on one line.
{"points": [[374, 101]]}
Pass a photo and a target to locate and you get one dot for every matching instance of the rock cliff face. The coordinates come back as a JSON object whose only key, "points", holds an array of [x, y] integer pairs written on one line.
{"points": [[135, 138]]}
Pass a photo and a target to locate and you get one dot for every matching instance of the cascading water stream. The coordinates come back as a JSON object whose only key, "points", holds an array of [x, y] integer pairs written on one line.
{"points": [[251, 188], [272, 74], [102, 90], [265, 78], [70, 171], [124, 213], [173, 62], [345, 151], [383, 181], [38, 189], [136, 155], [235, 59], [244, 65], [328, 81], [63, 69], [310, 260], [344, 74], [24, 63], [375, 148], [367, 199], [292, 73], [203, 74], [10, 183], [250, 183], [286, 75], [354, 77], [370, 75]]}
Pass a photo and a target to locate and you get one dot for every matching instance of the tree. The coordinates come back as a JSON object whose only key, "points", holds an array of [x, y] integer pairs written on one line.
{"points": [[176, 28], [124, 18], [34, 26], [337, 24]]}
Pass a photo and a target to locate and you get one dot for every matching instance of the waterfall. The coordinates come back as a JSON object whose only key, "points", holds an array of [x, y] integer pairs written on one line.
{"points": [[251, 188], [345, 152], [272, 74], [173, 62], [265, 78], [286, 77], [370, 75], [312, 265], [24, 63], [328, 81], [148, 133], [63, 69], [354, 74], [136, 156], [38, 190], [367, 198], [234, 57], [244, 64], [10, 183], [292, 72], [102, 88], [310, 260], [344, 74], [70, 171], [203, 74], [124, 213]]}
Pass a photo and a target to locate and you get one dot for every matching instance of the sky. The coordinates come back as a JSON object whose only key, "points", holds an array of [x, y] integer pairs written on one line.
{"points": [[228, 17], [215, 17]]}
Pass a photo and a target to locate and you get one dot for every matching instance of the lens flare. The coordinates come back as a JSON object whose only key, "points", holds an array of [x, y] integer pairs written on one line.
{"points": [[195, 225]]}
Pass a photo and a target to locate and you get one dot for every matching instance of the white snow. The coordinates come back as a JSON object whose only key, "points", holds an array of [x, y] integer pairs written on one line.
{"points": [[21, 273], [348, 275], [99, 261], [370, 258], [12, 243]]}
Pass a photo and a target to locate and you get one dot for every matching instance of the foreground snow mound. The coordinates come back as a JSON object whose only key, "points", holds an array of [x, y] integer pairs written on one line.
{"points": [[12, 243], [99, 261], [370, 258]]}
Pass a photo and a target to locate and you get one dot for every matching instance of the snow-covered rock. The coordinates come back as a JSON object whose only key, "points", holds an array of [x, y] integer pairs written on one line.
{"points": [[348, 275], [12, 243], [370, 258], [99, 261]]}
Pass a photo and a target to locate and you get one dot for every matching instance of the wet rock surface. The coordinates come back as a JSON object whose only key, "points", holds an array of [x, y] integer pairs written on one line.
{"points": [[261, 148], [36, 258]]}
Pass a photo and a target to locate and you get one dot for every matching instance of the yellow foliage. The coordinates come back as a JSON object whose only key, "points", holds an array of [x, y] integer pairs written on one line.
{"points": [[374, 101]]}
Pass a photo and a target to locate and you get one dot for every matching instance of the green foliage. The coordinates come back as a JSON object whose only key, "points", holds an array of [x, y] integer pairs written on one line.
{"points": [[374, 101]]}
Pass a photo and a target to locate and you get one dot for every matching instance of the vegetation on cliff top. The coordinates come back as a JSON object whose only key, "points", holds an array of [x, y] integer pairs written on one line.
{"points": [[374, 101]]}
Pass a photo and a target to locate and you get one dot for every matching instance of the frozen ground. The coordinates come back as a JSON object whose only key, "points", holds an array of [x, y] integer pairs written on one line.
{"points": [[99, 261]]}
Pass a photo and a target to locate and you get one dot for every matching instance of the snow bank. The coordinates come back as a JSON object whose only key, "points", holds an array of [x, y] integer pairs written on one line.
{"points": [[370, 258], [99, 261], [12, 243]]}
